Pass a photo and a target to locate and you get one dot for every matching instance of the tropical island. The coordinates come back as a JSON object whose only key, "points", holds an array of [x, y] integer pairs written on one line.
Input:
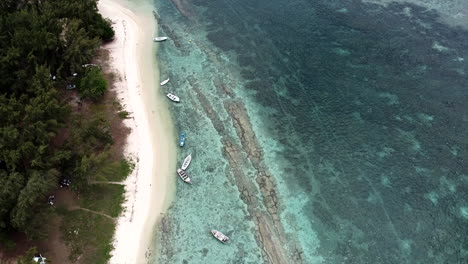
{"points": [[67, 142], [308, 131]]}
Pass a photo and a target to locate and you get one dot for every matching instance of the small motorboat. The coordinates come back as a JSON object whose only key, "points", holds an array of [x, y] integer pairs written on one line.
{"points": [[164, 82], [184, 176], [159, 39], [220, 236], [182, 139], [173, 97], [186, 162]]}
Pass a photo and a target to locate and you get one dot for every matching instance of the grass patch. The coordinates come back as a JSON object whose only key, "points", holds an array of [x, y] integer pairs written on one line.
{"points": [[88, 235], [104, 198], [114, 170], [98, 108]]}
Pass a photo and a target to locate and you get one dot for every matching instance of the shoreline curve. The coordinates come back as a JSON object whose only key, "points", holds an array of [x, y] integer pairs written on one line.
{"points": [[151, 143]]}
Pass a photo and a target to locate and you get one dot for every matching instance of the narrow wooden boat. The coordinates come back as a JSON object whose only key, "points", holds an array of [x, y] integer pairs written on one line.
{"points": [[184, 176], [159, 39], [186, 162], [220, 236], [164, 82]]}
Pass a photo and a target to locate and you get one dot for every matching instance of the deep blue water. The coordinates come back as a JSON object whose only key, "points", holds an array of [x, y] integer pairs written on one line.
{"points": [[322, 132]]}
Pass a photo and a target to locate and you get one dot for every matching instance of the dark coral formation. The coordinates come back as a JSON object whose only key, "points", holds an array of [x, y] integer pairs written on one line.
{"points": [[270, 232], [270, 235]]}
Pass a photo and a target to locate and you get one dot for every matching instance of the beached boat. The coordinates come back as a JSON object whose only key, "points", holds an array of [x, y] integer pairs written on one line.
{"points": [[220, 236], [159, 39], [173, 97], [184, 176], [164, 82], [182, 139], [186, 162]]}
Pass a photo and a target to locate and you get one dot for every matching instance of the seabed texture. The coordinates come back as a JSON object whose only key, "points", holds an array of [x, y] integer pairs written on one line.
{"points": [[321, 132]]}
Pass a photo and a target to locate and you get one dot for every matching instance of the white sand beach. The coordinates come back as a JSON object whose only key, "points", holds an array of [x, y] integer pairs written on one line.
{"points": [[151, 144]]}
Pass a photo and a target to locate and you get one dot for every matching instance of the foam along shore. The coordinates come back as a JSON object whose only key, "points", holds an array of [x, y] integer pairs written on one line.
{"points": [[151, 144]]}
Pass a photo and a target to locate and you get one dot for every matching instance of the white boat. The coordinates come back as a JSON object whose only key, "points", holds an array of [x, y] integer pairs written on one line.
{"points": [[186, 162], [164, 82], [173, 97], [184, 176], [220, 236], [159, 39]]}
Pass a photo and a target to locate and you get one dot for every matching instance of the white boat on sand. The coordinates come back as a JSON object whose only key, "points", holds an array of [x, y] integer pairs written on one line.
{"points": [[164, 82], [173, 97], [220, 236], [159, 39], [184, 176], [186, 162]]}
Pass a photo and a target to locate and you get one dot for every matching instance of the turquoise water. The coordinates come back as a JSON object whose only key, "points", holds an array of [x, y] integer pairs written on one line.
{"points": [[321, 132]]}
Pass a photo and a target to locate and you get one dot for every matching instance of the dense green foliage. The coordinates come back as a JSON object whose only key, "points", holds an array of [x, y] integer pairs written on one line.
{"points": [[40, 39], [92, 85]]}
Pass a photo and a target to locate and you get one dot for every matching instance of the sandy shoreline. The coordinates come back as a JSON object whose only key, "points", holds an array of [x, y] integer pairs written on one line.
{"points": [[151, 144]]}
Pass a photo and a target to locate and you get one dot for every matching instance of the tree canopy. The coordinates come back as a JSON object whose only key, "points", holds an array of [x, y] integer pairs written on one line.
{"points": [[40, 39], [92, 85]]}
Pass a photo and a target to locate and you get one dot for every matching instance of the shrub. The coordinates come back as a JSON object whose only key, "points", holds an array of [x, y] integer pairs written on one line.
{"points": [[124, 115], [92, 85]]}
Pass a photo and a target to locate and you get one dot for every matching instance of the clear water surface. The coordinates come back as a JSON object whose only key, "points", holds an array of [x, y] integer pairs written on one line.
{"points": [[321, 131]]}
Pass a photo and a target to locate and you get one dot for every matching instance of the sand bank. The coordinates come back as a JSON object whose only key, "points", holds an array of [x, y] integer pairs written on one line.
{"points": [[151, 143]]}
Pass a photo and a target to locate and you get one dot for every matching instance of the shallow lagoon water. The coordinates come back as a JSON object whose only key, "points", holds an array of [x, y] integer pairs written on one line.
{"points": [[321, 132]]}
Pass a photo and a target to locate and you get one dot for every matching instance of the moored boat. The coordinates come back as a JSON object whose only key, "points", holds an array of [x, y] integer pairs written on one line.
{"points": [[186, 162], [182, 139], [159, 39], [164, 82], [184, 176], [220, 236], [173, 97]]}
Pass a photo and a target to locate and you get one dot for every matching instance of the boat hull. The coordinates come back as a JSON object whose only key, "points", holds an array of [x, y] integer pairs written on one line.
{"points": [[173, 97], [184, 176], [164, 82], [186, 162], [159, 39], [220, 236], [182, 140]]}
